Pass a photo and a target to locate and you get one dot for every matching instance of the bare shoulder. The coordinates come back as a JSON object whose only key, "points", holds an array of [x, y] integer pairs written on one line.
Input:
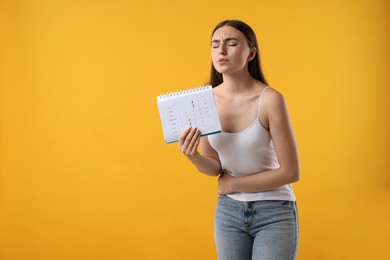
{"points": [[274, 107], [273, 99], [272, 94]]}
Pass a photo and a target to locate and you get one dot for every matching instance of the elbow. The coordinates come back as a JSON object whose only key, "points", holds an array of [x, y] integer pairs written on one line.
{"points": [[209, 171], [292, 175], [295, 175]]}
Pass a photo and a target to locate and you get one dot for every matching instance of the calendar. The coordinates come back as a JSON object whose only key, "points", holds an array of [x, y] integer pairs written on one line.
{"points": [[189, 108]]}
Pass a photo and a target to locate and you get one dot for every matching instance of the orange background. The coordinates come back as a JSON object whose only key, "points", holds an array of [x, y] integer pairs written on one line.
{"points": [[85, 173]]}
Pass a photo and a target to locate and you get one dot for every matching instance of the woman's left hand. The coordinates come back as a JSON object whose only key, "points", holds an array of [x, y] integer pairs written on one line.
{"points": [[225, 183]]}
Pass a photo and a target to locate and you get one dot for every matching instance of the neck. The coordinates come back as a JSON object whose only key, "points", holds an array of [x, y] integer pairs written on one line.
{"points": [[237, 83]]}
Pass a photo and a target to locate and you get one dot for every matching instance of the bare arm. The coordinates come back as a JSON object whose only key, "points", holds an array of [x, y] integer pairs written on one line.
{"points": [[207, 161], [277, 118]]}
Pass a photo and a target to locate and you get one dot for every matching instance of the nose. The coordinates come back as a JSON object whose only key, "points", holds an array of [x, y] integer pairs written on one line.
{"points": [[222, 49]]}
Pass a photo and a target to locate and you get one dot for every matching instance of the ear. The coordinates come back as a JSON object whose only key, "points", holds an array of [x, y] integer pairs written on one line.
{"points": [[252, 54]]}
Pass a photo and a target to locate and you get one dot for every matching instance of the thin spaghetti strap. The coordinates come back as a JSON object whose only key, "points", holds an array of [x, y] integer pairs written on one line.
{"points": [[261, 101]]}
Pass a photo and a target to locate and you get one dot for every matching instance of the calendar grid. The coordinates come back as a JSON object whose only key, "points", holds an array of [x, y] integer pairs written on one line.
{"points": [[190, 108]]}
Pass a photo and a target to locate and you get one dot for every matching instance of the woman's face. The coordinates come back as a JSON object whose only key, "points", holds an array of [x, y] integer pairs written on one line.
{"points": [[230, 52]]}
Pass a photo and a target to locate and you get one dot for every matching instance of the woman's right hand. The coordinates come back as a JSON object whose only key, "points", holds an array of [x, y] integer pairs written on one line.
{"points": [[189, 142]]}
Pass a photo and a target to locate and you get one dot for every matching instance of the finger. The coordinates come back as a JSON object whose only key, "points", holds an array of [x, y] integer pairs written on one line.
{"points": [[190, 135], [196, 144], [193, 140], [188, 140], [183, 136]]}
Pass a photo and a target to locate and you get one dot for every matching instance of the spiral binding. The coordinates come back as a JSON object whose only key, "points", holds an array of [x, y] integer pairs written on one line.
{"points": [[183, 92]]}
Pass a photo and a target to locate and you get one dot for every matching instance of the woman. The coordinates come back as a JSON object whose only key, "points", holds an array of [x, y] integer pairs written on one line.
{"points": [[255, 156]]}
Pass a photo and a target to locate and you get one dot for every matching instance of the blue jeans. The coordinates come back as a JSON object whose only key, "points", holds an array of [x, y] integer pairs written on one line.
{"points": [[266, 230]]}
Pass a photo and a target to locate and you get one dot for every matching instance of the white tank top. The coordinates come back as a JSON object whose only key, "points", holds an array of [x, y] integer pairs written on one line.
{"points": [[250, 151]]}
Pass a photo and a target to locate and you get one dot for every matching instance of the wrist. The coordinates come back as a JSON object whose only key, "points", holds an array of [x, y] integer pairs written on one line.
{"points": [[234, 184], [194, 158]]}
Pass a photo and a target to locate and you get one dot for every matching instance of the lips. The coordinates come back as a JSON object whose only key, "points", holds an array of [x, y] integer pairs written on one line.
{"points": [[222, 60]]}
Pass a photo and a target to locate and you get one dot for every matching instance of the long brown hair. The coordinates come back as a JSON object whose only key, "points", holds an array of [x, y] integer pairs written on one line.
{"points": [[254, 66]]}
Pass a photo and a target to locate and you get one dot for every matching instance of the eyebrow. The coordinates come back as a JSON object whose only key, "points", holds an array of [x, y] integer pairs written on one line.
{"points": [[226, 40]]}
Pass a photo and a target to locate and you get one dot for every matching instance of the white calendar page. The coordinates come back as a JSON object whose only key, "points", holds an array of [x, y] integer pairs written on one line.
{"points": [[191, 108]]}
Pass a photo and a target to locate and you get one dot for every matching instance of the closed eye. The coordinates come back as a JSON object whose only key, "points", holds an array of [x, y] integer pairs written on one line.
{"points": [[231, 41]]}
